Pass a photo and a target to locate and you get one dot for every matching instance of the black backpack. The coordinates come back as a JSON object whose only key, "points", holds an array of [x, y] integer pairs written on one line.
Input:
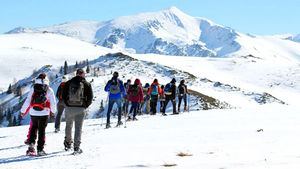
{"points": [[181, 89], [39, 97], [134, 90], [76, 94]]}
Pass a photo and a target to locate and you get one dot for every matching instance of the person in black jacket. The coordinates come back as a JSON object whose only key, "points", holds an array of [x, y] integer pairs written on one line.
{"points": [[77, 96], [60, 104], [170, 94], [182, 94]]}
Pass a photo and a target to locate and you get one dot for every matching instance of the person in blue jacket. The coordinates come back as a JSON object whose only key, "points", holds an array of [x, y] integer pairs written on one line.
{"points": [[116, 91]]}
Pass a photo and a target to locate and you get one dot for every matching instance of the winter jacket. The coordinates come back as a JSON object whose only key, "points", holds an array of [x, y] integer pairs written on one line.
{"points": [[184, 88], [87, 93], [51, 104], [119, 95], [151, 88], [139, 96], [60, 91], [172, 96]]}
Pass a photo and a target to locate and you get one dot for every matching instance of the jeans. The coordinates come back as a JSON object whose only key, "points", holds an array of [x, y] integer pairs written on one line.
{"points": [[180, 99], [111, 103]]}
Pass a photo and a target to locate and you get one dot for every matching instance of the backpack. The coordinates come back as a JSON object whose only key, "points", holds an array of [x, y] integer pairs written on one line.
{"points": [[39, 97], [154, 90], [76, 97], [182, 90], [115, 88], [168, 89], [134, 90]]}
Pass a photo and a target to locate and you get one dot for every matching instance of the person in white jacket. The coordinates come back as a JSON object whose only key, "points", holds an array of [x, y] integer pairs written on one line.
{"points": [[40, 103]]}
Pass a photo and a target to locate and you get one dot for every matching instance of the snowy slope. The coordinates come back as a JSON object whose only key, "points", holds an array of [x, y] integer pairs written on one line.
{"points": [[22, 53], [215, 139]]}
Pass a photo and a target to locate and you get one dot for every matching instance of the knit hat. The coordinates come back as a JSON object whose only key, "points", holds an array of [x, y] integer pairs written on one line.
{"points": [[173, 80]]}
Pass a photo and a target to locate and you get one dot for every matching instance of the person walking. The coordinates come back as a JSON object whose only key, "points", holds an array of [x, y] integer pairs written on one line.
{"points": [[154, 92], [170, 92], [162, 99], [77, 95], [182, 94], [116, 91], [135, 96], [40, 103], [60, 104]]}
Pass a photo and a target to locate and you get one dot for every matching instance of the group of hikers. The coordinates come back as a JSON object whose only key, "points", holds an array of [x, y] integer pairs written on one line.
{"points": [[75, 96]]}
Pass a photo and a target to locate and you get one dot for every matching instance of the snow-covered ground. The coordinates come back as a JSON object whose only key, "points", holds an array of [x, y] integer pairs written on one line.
{"points": [[22, 53], [215, 139]]}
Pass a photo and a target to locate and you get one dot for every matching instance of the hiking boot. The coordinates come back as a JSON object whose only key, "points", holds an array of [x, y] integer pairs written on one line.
{"points": [[135, 119], [185, 109], [164, 114], [67, 145], [77, 150], [56, 130], [41, 153], [107, 125], [175, 113]]}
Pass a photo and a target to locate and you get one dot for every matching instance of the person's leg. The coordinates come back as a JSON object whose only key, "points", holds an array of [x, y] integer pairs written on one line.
{"points": [[110, 106], [33, 131], [174, 106], [42, 124], [119, 104], [60, 109], [79, 118], [135, 107], [165, 105], [185, 102], [69, 125], [154, 106], [179, 102]]}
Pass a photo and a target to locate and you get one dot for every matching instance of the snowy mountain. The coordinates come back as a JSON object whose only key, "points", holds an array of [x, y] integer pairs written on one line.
{"points": [[295, 38], [170, 32]]}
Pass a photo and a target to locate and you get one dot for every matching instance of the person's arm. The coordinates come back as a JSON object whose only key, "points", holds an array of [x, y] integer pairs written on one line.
{"points": [[26, 106], [149, 90], [107, 86], [58, 92], [52, 102], [89, 94]]}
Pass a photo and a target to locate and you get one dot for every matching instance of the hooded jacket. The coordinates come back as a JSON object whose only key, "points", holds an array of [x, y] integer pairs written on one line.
{"points": [[139, 96]]}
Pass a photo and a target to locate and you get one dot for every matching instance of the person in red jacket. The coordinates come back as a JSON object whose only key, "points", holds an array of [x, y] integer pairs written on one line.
{"points": [[60, 103], [154, 92], [135, 96]]}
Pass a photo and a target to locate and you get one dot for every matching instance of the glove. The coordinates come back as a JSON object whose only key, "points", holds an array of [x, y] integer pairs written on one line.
{"points": [[22, 114], [52, 114]]}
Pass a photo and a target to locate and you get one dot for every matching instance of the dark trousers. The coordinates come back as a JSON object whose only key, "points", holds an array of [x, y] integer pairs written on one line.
{"points": [[111, 103], [39, 124], [125, 106], [162, 104], [184, 100], [60, 110], [134, 108], [153, 104], [166, 104]]}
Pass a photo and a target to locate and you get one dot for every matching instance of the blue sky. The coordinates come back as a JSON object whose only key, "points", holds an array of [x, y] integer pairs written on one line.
{"points": [[252, 16]]}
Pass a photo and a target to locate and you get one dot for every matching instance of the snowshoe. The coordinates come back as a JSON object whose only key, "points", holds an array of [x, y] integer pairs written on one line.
{"points": [[77, 151], [134, 119], [31, 151], [164, 114], [41, 153], [129, 118]]}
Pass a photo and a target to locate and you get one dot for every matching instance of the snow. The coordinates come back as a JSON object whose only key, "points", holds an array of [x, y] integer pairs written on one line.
{"points": [[215, 139], [22, 53]]}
